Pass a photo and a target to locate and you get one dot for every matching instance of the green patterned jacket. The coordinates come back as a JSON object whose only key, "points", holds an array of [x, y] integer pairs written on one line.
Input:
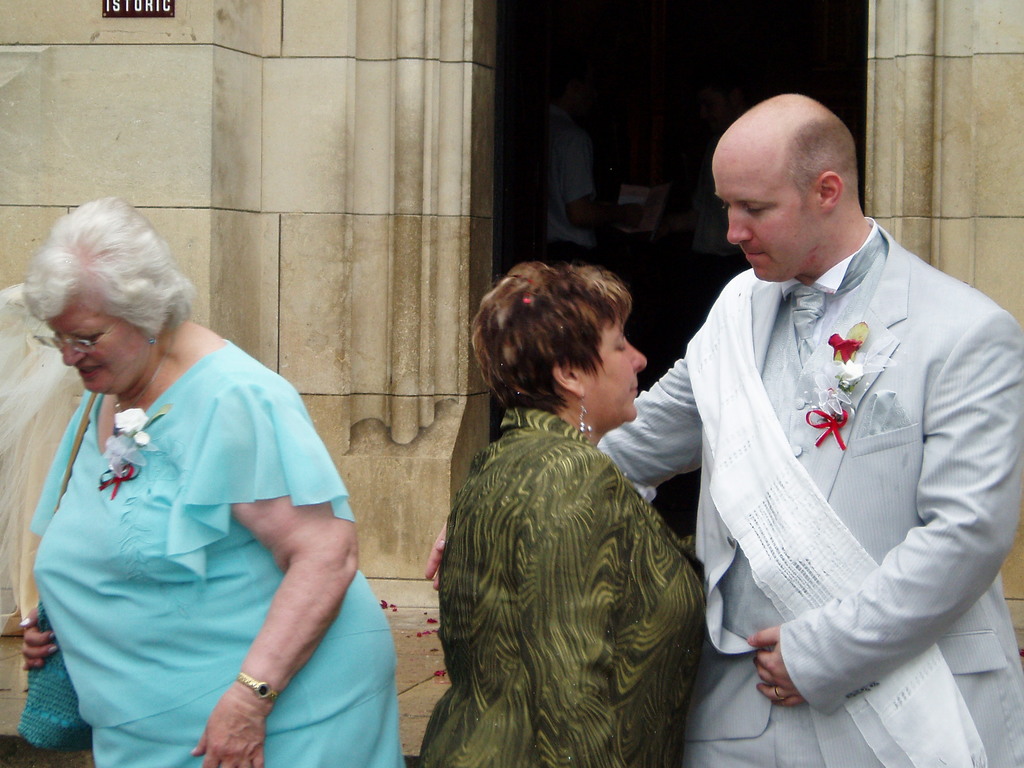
{"points": [[571, 616]]}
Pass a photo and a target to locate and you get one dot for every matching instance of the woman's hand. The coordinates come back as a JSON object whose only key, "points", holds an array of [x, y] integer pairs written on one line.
{"points": [[318, 554], [36, 646], [433, 569], [235, 732]]}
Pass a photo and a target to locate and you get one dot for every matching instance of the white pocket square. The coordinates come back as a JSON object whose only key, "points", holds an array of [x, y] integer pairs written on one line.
{"points": [[882, 413]]}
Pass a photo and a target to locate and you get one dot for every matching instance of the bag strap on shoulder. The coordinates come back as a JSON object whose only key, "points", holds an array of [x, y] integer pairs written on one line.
{"points": [[82, 426]]}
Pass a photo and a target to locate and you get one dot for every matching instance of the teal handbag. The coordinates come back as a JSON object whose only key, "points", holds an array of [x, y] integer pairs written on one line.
{"points": [[50, 719]]}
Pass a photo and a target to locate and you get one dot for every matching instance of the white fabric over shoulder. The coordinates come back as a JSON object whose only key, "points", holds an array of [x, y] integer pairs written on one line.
{"points": [[38, 395], [801, 554]]}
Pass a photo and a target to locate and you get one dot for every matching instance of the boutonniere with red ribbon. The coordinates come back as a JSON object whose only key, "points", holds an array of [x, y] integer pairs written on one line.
{"points": [[124, 448], [836, 384]]}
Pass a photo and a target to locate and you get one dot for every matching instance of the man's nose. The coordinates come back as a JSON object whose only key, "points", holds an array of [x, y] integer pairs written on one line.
{"points": [[738, 230]]}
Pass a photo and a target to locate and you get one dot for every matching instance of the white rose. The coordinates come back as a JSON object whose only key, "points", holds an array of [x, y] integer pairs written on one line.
{"points": [[131, 420], [141, 439], [850, 372]]}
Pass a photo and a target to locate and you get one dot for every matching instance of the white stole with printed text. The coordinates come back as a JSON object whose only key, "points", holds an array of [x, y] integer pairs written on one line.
{"points": [[801, 554]]}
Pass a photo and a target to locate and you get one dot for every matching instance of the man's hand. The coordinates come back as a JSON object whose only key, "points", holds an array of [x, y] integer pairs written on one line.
{"points": [[433, 569], [775, 681]]}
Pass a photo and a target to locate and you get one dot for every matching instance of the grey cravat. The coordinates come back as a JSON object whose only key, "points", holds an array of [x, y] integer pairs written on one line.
{"points": [[808, 306]]}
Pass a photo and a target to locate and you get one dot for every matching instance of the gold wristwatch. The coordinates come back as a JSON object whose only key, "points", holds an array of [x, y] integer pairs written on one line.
{"points": [[261, 689]]}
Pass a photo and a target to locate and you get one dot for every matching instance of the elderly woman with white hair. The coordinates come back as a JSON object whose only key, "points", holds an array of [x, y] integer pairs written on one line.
{"points": [[200, 569]]}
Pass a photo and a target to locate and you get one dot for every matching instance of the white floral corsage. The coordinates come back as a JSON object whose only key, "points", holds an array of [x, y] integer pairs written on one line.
{"points": [[836, 383], [124, 448]]}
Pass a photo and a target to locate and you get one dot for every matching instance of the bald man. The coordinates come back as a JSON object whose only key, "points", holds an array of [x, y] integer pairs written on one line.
{"points": [[857, 415]]}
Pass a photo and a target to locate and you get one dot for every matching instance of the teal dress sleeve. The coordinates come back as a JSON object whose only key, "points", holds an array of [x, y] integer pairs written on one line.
{"points": [[235, 432], [253, 441]]}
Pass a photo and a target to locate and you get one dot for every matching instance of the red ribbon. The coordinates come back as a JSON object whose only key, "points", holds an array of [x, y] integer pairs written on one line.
{"points": [[116, 480], [831, 424]]}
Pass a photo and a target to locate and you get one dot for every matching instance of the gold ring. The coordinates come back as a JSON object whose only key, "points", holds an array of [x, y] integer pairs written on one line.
{"points": [[778, 696]]}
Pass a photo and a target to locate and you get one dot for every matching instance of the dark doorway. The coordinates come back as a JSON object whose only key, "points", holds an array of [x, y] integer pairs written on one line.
{"points": [[649, 58]]}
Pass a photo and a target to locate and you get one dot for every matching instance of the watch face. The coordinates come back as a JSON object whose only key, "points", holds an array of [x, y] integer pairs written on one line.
{"points": [[263, 690]]}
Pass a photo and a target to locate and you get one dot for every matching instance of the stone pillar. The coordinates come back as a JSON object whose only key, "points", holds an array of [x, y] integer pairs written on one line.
{"points": [[377, 152], [944, 156], [322, 169]]}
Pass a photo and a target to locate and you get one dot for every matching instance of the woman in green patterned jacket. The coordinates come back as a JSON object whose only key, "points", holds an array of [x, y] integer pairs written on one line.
{"points": [[571, 615]]}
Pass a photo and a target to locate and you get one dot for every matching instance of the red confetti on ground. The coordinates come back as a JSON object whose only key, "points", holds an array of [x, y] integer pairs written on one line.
{"points": [[440, 673], [1022, 652], [431, 621], [384, 604], [426, 632]]}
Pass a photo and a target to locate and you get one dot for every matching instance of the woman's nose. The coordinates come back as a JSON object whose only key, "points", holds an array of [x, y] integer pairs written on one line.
{"points": [[70, 354], [640, 360]]}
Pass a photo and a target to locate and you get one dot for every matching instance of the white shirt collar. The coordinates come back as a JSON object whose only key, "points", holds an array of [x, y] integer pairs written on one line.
{"points": [[830, 281]]}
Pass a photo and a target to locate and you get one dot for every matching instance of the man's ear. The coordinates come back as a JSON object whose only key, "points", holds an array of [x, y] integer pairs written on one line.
{"points": [[568, 378], [829, 189]]}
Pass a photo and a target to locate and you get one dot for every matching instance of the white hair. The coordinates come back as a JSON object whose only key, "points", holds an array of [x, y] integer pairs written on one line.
{"points": [[106, 249]]}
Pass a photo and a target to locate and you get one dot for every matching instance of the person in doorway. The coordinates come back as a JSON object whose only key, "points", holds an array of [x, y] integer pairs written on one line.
{"points": [[574, 213], [712, 261]]}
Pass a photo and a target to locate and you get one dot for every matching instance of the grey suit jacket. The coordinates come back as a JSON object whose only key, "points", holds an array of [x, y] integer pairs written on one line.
{"points": [[929, 484]]}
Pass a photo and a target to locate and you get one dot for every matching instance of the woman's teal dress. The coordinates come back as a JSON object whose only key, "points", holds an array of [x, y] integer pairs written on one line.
{"points": [[156, 593]]}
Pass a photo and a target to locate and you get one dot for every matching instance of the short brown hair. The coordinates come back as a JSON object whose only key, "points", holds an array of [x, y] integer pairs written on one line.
{"points": [[822, 143], [541, 315]]}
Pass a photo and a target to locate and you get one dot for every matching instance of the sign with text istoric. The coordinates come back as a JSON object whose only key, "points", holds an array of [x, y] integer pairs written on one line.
{"points": [[138, 8]]}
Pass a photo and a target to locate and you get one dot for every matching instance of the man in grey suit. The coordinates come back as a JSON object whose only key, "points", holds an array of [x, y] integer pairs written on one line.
{"points": [[870, 428]]}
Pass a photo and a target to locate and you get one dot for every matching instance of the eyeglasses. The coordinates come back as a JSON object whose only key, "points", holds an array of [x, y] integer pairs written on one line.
{"points": [[83, 345]]}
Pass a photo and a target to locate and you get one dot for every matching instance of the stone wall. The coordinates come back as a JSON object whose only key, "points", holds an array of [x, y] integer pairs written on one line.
{"points": [[322, 169]]}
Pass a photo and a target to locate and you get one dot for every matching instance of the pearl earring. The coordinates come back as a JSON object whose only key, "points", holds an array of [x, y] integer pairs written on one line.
{"points": [[585, 429]]}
